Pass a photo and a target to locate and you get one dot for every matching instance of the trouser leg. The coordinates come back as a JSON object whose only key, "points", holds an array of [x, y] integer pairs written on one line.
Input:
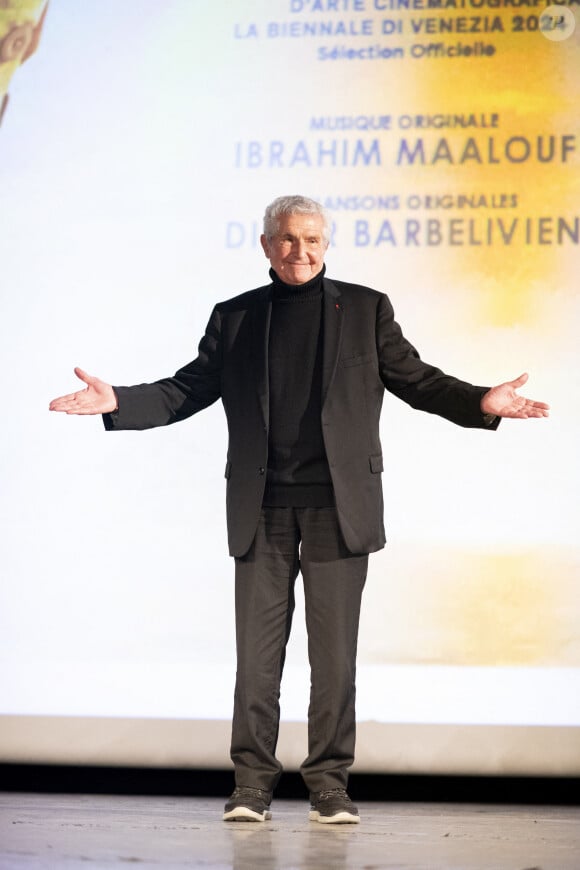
{"points": [[333, 584], [265, 579]]}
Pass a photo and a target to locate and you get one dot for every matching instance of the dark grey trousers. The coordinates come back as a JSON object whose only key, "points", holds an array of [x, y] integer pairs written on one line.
{"points": [[288, 541]]}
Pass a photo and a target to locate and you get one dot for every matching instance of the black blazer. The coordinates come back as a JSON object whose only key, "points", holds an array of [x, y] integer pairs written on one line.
{"points": [[364, 351]]}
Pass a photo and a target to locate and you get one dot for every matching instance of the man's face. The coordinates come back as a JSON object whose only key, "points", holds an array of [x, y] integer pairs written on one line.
{"points": [[296, 252]]}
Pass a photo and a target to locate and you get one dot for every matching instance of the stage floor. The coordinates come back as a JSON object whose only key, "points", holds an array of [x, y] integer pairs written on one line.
{"points": [[61, 832]]}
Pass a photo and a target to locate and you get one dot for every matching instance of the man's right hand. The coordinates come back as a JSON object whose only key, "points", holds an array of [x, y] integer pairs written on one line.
{"points": [[97, 398]]}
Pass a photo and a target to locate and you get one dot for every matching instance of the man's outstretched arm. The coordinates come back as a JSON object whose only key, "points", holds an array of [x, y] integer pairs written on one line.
{"points": [[98, 397]]}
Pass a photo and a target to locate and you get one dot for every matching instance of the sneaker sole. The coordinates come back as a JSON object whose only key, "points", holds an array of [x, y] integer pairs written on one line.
{"points": [[343, 818], [245, 814]]}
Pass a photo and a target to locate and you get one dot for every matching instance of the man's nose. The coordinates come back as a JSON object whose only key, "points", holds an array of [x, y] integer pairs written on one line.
{"points": [[300, 247]]}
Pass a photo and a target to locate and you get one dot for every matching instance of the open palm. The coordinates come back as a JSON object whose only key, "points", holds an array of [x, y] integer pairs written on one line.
{"points": [[98, 397], [503, 401]]}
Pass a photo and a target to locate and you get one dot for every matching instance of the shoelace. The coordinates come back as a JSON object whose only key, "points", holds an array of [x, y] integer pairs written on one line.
{"points": [[331, 792], [247, 789]]}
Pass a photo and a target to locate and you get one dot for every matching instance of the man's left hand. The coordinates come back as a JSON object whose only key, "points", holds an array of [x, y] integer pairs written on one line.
{"points": [[503, 401]]}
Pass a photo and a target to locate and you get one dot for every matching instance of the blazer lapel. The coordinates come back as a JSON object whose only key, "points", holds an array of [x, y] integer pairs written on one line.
{"points": [[260, 331], [332, 318]]}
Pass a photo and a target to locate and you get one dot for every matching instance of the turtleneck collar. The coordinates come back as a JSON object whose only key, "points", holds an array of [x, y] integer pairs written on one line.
{"points": [[288, 292]]}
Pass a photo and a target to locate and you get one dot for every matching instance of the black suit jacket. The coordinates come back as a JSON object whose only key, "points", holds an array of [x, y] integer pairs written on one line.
{"points": [[364, 351]]}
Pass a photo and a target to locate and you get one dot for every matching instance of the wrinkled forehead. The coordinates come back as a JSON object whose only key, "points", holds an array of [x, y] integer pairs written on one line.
{"points": [[297, 224]]}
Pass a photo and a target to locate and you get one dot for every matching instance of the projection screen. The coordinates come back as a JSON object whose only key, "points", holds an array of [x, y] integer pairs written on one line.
{"points": [[139, 144]]}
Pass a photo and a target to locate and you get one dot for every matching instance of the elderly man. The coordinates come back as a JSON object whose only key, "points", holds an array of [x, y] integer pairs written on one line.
{"points": [[300, 365]]}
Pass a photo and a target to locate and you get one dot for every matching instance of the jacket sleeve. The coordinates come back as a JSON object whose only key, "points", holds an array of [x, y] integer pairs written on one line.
{"points": [[194, 387], [421, 385]]}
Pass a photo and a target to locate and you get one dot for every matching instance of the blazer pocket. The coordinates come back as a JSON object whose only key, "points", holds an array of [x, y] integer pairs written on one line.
{"points": [[228, 470], [376, 463], [357, 359]]}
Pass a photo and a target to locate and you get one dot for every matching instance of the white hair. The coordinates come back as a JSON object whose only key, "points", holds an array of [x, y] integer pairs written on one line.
{"points": [[285, 205]]}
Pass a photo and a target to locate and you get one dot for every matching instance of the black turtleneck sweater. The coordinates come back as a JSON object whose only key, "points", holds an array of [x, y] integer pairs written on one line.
{"points": [[298, 473]]}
